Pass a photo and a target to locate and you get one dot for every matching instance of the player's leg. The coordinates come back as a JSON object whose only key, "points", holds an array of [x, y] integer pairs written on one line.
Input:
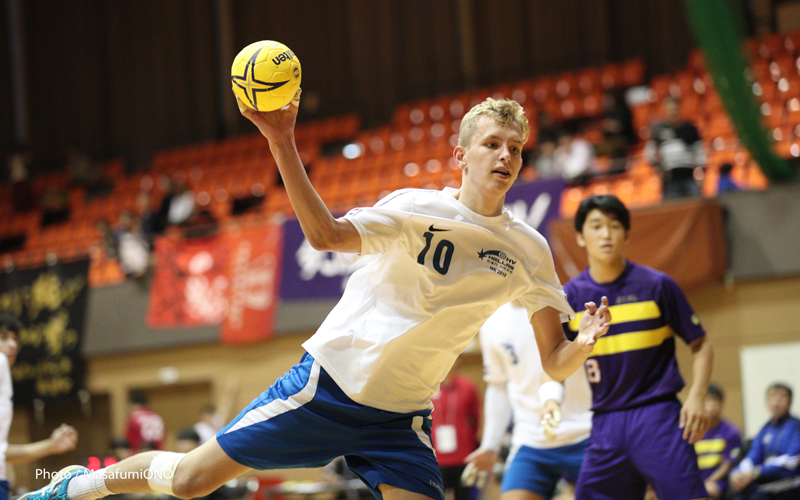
{"points": [[196, 474], [394, 493], [654, 435], [607, 473], [531, 474], [189, 475]]}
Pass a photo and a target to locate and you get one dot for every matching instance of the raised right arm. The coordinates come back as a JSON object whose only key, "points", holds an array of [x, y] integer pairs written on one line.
{"points": [[323, 231]]}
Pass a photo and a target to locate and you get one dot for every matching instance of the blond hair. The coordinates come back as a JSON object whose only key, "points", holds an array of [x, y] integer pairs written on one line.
{"points": [[505, 112]]}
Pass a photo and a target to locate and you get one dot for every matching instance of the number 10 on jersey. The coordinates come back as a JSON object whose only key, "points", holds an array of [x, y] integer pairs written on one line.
{"points": [[442, 255]]}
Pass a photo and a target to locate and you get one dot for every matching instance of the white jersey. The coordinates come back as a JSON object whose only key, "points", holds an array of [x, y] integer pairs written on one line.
{"points": [[6, 411], [511, 357], [441, 271]]}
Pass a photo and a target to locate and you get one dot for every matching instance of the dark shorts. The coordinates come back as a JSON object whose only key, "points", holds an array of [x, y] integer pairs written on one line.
{"points": [[305, 420], [630, 448], [4, 489]]}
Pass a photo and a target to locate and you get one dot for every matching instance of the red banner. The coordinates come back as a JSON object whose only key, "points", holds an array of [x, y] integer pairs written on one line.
{"points": [[230, 279], [190, 284], [255, 274]]}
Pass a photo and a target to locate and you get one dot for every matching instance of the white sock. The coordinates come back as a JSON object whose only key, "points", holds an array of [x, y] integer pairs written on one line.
{"points": [[88, 486]]}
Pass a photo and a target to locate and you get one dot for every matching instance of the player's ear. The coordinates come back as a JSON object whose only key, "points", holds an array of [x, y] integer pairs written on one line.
{"points": [[458, 155], [580, 240]]}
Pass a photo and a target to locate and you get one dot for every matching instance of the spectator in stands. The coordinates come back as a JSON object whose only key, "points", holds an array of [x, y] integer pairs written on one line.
{"points": [[181, 205], [132, 247], [85, 172], [719, 448], [147, 216], [617, 127], [772, 466], [120, 448], [455, 429], [725, 184], [108, 239], [546, 140], [574, 158], [144, 425], [675, 147], [187, 440], [22, 198]]}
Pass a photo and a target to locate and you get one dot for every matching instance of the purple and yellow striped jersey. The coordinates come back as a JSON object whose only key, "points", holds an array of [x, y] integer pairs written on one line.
{"points": [[634, 363]]}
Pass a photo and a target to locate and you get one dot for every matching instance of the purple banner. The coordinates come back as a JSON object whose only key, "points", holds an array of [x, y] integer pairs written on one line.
{"points": [[308, 274], [536, 203]]}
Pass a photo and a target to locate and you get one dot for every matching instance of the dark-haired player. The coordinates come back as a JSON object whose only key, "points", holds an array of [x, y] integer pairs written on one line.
{"points": [[640, 431], [719, 448], [61, 440]]}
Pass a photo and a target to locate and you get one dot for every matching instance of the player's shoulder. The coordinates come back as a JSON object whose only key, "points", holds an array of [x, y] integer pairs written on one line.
{"points": [[402, 198], [641, 273]]}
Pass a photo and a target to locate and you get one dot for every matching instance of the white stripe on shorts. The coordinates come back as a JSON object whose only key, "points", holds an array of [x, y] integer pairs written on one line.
{"points": [[280, 406], [416, 425]]}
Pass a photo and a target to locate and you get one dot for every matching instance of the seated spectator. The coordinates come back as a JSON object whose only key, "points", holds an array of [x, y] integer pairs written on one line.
{"points": [[145, 428], [719, 448], [55, 206], [108, 240], [121, 449], [22, 198], [546, 139], [187, 440], [148, 218], [574, 157], [617, 127], [725, 184], [675, 148], [771, 466], [132, 247], [181, 205]]}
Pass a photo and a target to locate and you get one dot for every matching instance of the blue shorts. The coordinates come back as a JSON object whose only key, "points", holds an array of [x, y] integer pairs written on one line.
{"points": [[305, 420], [538, 470], [629, 449], [5, 487]]}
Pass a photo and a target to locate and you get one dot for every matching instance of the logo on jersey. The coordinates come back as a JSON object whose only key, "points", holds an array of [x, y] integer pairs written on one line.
{"points": [[435, 229], [498, 261]]}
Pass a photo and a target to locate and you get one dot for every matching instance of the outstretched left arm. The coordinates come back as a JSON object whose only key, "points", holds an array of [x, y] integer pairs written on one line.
{"points": [[63, 439], [694, 421], [560, 357]]}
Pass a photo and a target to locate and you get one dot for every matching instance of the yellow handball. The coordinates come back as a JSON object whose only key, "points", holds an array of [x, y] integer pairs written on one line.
{"points": [[265, 75]]}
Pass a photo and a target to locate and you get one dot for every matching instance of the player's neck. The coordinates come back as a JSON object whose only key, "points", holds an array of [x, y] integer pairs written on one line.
{"points": [[606, 271], [713, 422], [482, 205]]}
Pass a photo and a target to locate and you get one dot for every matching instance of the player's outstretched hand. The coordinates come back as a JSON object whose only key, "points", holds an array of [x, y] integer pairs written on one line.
{"points": [[472, 476], [594, 324], [693, 420], [274, 125], [63, 439]]}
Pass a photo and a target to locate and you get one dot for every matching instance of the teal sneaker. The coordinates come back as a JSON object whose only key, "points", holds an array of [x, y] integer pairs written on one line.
{"points": [[57, 489]]}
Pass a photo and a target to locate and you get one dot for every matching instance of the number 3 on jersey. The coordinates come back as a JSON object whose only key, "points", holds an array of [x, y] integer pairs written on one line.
{"points": [[593, 371], [442, 255]]}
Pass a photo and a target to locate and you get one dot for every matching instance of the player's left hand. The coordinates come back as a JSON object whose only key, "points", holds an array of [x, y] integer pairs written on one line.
{"points": [[594, 324], [694, 420], [63, 439]]}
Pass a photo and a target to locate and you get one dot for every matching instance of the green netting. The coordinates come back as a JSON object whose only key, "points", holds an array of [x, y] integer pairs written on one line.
{"points": [[718, 29]]}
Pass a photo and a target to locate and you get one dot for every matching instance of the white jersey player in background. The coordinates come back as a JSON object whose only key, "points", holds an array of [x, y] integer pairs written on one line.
{"points": [[63, 439], [552, 421], [446, 260]]}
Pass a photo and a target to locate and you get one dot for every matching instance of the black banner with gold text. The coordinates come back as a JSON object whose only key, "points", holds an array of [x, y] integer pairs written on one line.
{"points": [[51, 303]]}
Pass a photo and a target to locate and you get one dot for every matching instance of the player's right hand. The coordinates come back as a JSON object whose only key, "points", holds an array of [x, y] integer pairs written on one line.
{"points": [[274, 125], [593, 324], [480, 464]]}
